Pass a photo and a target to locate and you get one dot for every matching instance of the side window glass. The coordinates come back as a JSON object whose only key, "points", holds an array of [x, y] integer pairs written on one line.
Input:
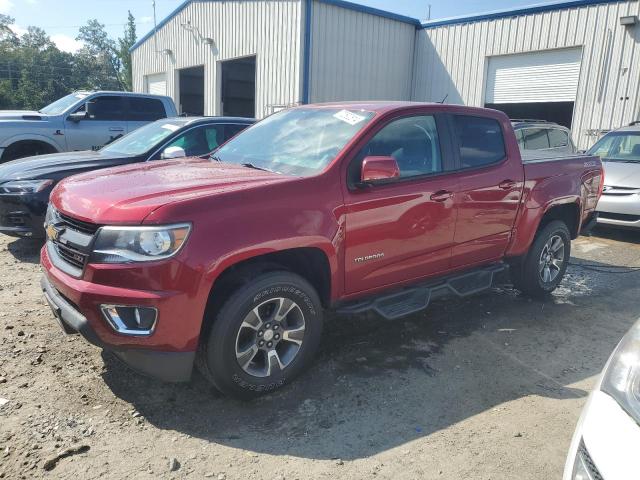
{"points": [[558, 138], [480, 139], [232, 130], [520, 138], [215, 137], [535, 139], [195, 142], [145, 109], [106, 108], [412, 141]]}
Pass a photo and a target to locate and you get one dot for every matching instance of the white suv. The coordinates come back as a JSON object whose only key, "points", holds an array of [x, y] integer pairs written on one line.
{"points": [[79, 121]]}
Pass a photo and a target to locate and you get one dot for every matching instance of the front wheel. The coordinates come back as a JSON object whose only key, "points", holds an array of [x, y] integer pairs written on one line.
{"points": [[264, 335], [546, 262]]}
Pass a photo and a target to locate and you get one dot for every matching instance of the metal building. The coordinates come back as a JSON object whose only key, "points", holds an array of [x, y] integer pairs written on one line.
{"points": [[576, 62], [253, 57]]}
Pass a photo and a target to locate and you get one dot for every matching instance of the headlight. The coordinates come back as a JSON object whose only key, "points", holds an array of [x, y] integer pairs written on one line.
{"points": [[138, 244], [18, 187], [621, 378]]}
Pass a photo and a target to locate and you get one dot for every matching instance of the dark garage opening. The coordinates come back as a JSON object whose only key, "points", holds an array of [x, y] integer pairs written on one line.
{"points": [[558, 112], [238, 87], [191, 83]]}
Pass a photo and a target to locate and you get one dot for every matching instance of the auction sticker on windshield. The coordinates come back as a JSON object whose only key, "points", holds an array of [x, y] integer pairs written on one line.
{"points": [[349, 117], [170, 126]]}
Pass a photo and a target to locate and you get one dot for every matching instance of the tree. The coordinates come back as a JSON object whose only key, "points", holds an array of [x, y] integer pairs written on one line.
{"points": [[124, 44], [6, 34], [99, 45]]}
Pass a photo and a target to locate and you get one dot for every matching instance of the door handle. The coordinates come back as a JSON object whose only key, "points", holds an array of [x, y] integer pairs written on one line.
{"points": [[507, 184], [116, 129], [441, 196]]}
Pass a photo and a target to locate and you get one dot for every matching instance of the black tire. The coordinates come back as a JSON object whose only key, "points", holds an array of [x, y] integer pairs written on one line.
{"points": [[25, 149], [218, 359], [528, 276]]}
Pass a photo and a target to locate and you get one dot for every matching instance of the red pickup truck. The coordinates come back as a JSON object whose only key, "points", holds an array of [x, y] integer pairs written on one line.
{"points": [[229, 263]]}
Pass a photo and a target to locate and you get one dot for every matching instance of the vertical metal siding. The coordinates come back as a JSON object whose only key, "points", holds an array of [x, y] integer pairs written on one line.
{"points": [[271, 30], [452, 60], [359, 56]]}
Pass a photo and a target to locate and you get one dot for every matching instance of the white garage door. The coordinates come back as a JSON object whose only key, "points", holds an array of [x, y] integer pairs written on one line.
{"points": [[550, 76], [157, 84]]}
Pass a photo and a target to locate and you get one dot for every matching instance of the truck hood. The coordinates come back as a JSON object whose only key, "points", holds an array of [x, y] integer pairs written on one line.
{"points": [[21, 115], [128, 194], [622, 174], [57, 165]]}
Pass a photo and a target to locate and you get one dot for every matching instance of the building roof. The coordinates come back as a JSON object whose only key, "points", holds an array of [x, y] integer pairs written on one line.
{"points": [[338, 3], [510, 12], [515, 12]]}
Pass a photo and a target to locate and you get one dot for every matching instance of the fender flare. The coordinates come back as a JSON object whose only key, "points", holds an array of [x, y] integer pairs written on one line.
{"points": [[31, 137]]}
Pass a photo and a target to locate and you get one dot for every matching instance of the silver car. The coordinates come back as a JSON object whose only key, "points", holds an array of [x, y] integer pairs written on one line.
{"points": [[620, 154]]}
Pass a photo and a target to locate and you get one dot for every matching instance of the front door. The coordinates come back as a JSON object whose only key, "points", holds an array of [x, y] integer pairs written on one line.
{"points": [[106, 120], [401, 230]]}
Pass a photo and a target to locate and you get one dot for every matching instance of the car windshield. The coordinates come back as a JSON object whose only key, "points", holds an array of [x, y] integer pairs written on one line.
{"points": [[144, 138], [300, 141], [63, 104], [618, 147]]}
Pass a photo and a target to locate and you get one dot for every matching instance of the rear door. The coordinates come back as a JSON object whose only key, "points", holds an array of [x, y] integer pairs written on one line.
{"points": [[402, 230], [489, 190], [106, 120]]}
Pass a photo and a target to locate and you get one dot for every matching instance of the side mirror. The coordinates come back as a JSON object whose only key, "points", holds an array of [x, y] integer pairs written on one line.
{"points": [[77, 116], [379, 169], [173, 152]]}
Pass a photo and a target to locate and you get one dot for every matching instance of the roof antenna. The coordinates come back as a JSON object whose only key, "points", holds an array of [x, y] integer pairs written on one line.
{"points": [[443, 100]]}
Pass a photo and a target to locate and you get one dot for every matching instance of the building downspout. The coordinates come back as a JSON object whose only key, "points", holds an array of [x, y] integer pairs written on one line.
{"points": [[306, 59]]}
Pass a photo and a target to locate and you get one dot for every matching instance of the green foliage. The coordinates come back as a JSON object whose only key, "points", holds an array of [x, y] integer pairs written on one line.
{"points": [[34, 72]]}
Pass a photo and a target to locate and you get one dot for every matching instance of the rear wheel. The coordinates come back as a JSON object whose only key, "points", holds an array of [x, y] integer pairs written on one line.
{"points": [[264, 335], [546, 262]]}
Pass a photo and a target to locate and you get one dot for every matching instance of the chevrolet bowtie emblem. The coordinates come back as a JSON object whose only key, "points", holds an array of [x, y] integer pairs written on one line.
{"points": [[54, 233]]}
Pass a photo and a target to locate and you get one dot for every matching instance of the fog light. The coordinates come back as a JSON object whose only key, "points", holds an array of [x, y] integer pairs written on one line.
{"points": [[130, 320]]}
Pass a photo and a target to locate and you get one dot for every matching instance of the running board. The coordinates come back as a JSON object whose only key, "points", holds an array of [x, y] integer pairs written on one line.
{"points": [[415, 299]]}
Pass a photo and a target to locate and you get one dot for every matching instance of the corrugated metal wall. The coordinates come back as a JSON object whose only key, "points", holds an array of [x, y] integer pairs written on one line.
{"points": [[452, 60], [271, 30], [358, 56]]}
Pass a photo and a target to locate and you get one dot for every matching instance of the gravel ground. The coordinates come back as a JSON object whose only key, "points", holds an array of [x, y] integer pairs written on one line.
{"points": [[485, 388]]}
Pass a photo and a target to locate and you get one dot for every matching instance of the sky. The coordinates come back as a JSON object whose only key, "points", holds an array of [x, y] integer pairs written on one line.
{"points": [[62, 18]]}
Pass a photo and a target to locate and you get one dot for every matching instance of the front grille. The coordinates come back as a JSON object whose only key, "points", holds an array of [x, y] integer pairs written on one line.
{"points": [[72, 244], [78, 225], [619, 216], [590, 464], [75, 257]]}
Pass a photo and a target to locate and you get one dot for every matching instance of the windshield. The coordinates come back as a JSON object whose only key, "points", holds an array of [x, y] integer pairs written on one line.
{"points": [[144, 138], [300, 141], [63, 104], [618, 147]]}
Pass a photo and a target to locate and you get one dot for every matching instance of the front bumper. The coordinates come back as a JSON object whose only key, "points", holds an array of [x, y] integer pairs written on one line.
{"points": [[611, 438], [166, 366], [23, 215], [619, 210], [172, 289]]}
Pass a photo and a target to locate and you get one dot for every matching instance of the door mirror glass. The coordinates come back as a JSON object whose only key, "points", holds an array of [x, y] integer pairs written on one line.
{"points": [[173, 152], [376, 169], [77, 116]]}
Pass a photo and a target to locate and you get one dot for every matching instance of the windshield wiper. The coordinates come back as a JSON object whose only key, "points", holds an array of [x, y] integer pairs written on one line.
{"points": [[215, 159], [251, 165]]}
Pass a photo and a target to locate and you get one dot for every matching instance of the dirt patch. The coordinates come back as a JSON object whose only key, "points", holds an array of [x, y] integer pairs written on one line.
{"points": [[486, 387]]}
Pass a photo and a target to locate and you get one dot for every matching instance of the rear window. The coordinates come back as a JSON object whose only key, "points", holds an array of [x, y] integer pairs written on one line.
{"points": [[558, 138], [535, 139], [145, 109], [480, 139]]}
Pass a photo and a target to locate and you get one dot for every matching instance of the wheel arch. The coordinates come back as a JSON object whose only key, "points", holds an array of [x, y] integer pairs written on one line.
{"points": [[312, 263], [36, 140]]}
